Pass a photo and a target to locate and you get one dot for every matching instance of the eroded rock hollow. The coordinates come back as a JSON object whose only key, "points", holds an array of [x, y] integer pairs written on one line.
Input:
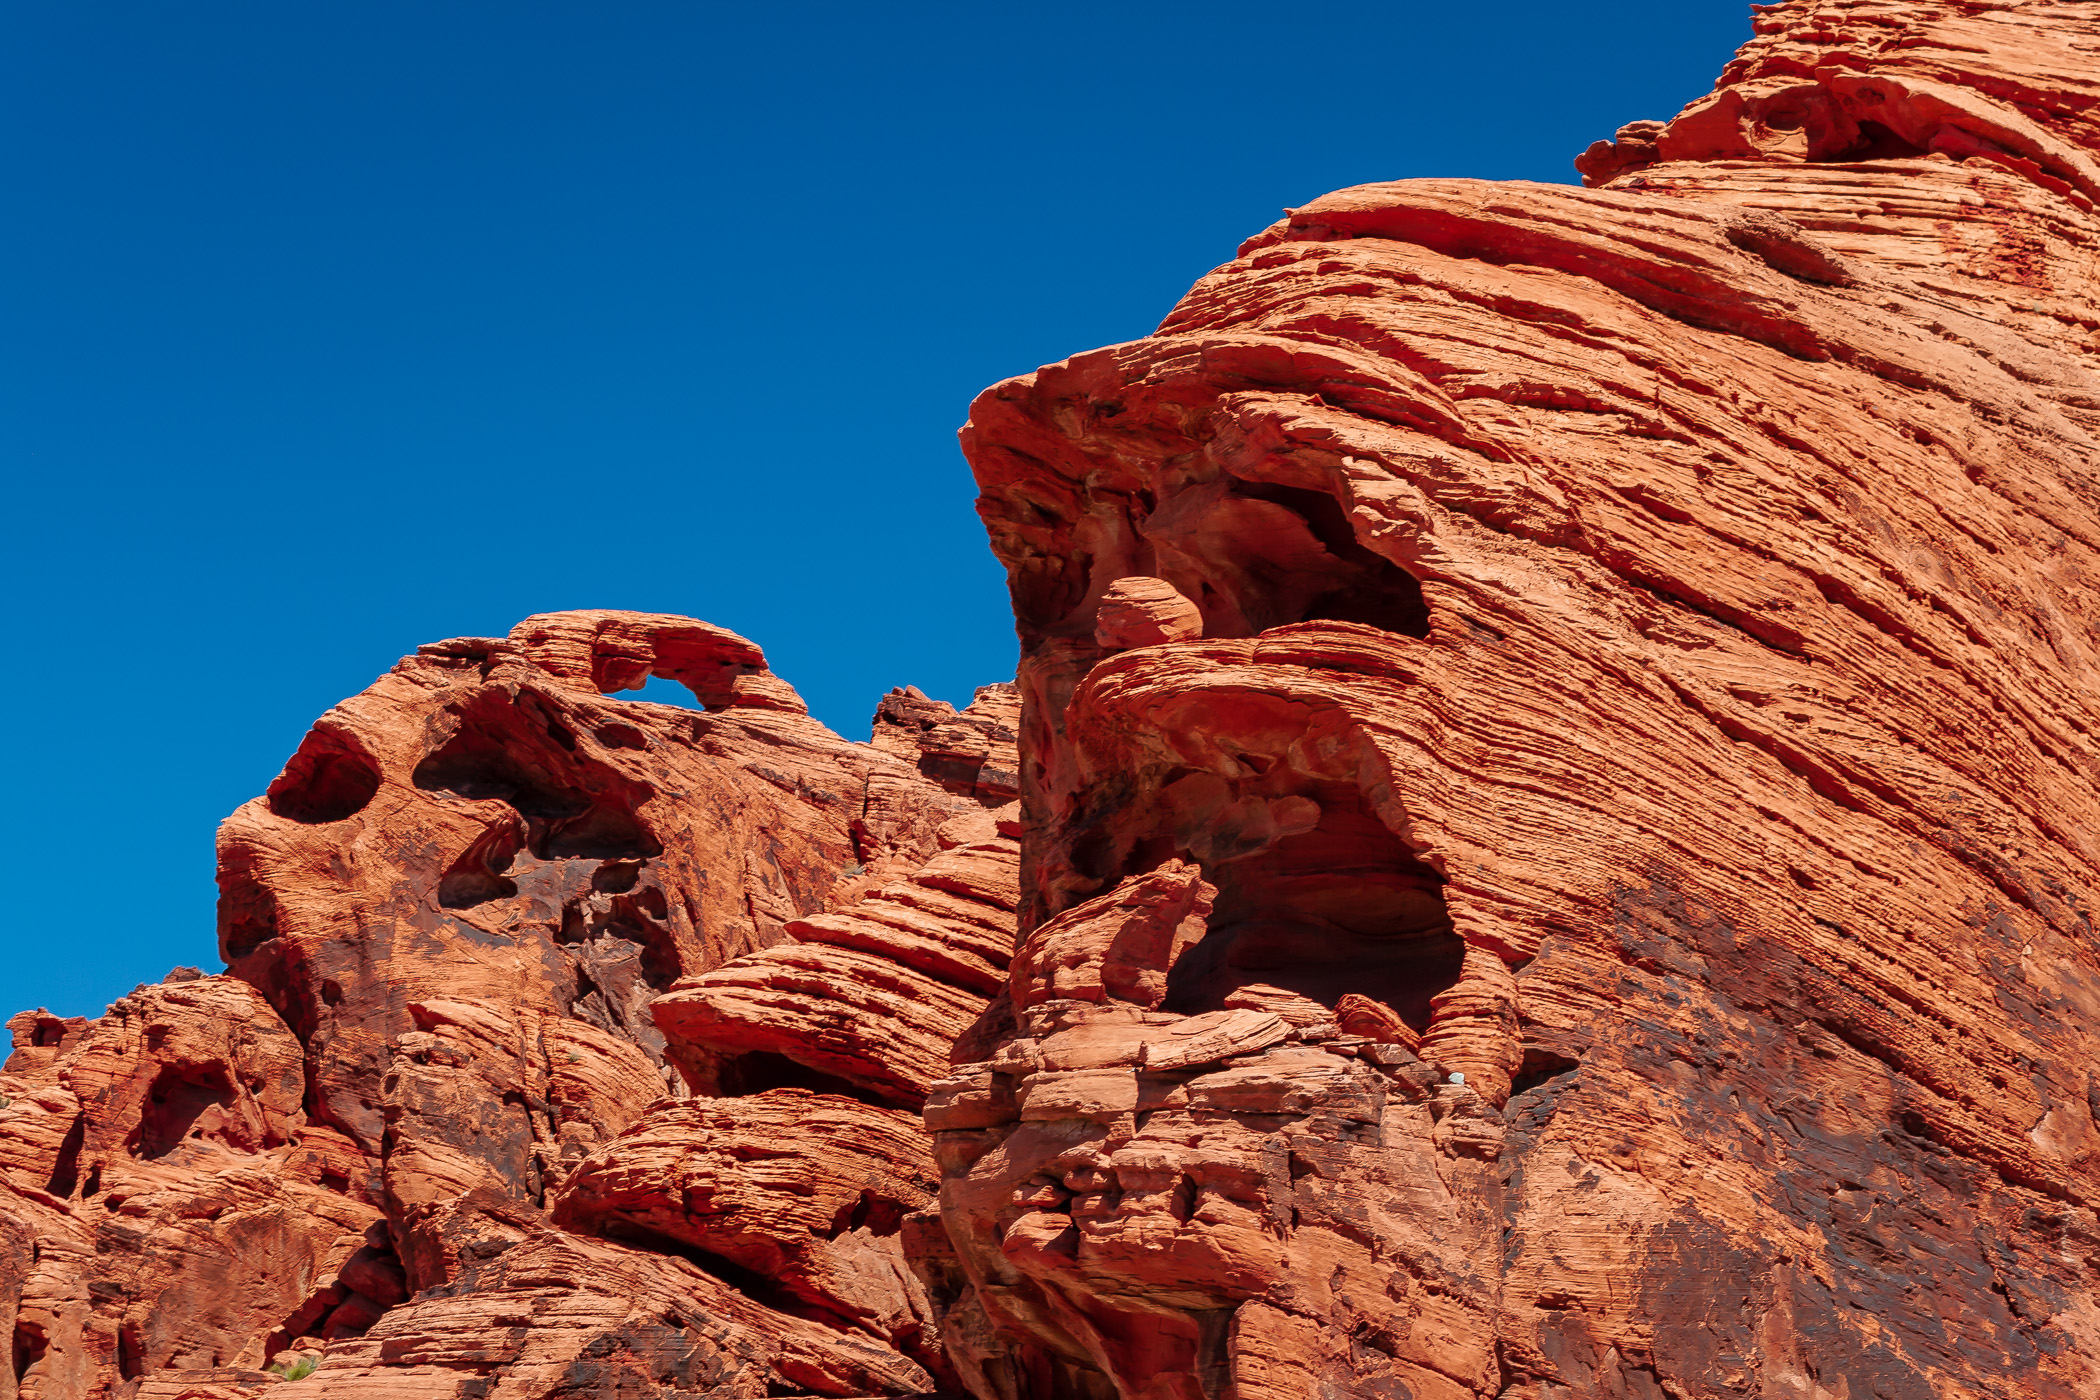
{"points": [[568, 1046], [1543, 846]]}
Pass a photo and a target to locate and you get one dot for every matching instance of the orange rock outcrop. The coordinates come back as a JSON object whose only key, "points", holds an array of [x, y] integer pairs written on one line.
{"points": [[1543, 847], [1647, 647], [413, 1128]]}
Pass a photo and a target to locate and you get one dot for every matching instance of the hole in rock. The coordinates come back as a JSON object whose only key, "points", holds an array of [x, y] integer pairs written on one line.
{"points": [[1342, 907], [130, 1361], [549, 722], [29, 1347], [876, 1214], [628, 932], [480, 764], [1253, 555], [247, 913], [573, 806], [1876, 142], [1538, 1067], [606, 831], [249, 942], [329, 779], [660, 690], [618, 877], [702, 661], [1372, 589], [478, 876], [754, 1072], [620, 736], [178, 1099]]}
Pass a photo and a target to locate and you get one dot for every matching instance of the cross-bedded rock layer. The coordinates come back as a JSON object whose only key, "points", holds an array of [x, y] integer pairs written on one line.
{"points": [[1555, 859], [414, 1130], [1640, 638]]}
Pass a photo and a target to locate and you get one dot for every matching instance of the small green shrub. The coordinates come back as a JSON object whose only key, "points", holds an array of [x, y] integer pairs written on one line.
{"points": [[298, 1368]]}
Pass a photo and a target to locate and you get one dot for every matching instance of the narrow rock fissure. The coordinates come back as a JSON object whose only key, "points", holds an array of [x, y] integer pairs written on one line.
{"points": [[29, 1347], [65, 1172]]}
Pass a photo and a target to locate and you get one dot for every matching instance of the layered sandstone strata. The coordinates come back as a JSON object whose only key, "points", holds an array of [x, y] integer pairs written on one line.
{"points": [[446, 922], [1628, 654], [1555, 855]]}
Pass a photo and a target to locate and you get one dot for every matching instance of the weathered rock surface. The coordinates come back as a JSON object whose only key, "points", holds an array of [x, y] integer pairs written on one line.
{"points": [[971, 752], [869, 1000], [1558, 823], [803, 1190], [445, 924], [164, 1203], [1646, 689], [799, 1161]]}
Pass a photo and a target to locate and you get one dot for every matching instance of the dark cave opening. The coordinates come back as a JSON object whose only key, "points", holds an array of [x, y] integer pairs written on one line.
{"points": [[756, 1071], [65, 1170], [1316, 892], [1368, 588], [629, 928], [516, 752], [480, 874], [329, 779], [1344, 907], [176, 1100], [1257, 555], [1540, 1067], [29, 1348], [1876, 142], [878, 1215]]}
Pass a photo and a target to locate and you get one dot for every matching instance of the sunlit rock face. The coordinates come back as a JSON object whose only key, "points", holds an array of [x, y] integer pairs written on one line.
{"points": [[1554, 858], [1558, 758], [436, 1132]]}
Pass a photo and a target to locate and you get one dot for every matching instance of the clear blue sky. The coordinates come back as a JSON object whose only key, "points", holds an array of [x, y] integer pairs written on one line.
{"points": [[334, 328]]}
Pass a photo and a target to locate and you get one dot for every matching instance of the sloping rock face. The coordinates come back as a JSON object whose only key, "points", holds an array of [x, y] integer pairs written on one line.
{"points": [[403, 1132], [1637, 646]]}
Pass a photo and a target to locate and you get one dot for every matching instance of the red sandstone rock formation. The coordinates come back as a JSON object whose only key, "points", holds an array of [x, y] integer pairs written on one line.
{"points": [[446, 922], [1646, 651], [1555, 860]]}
